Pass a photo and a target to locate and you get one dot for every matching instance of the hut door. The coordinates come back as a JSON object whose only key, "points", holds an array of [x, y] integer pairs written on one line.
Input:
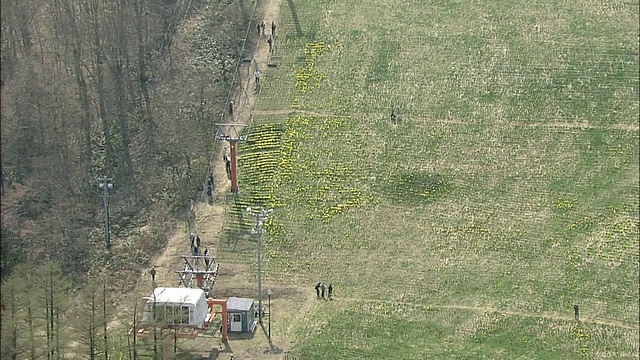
{"points": [[236, 322]]}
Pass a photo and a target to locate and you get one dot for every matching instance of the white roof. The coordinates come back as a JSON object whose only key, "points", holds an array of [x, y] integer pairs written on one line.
{"points": [[176, 295]]}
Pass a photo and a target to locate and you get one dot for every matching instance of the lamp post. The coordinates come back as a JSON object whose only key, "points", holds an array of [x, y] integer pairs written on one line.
{"points": [[261, 217], [105, 184], [269, 295]]}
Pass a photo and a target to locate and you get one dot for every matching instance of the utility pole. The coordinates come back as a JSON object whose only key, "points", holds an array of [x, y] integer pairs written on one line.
{"points": [[105, 184], [269, 294], [233, 140], [261, 218]]}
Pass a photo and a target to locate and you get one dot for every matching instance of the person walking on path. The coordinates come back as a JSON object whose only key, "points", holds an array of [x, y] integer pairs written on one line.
{"points": [[153, 274], [270, 42], [192, 240], [257, 76], [210, 185], [322, 288], [198, 241], [231, 108], [317, 290], [273, 29], [262, 27], [225, 155], [330, 291], [207, 258]]}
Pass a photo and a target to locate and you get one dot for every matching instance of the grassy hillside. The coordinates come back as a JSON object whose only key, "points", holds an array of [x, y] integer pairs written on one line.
{"points": [[506, 193]]}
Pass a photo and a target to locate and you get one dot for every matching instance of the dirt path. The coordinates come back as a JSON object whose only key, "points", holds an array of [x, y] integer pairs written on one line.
{"points": [[566, 125], [209, 216], [482, 309]]}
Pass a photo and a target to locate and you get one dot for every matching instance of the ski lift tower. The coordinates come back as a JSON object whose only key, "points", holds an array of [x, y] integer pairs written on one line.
{"points": [[198, 272], [232, 137]]}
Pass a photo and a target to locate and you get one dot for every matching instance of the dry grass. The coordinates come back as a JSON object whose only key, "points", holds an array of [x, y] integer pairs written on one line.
{"points": [[527, 115]]}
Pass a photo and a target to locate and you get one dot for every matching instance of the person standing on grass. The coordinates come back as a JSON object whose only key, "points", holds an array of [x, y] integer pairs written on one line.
{"points": [[317, 290], [153, 274], [273, 28], [192, 240], [576, 312], [330, 291], [322, 288], [197, 241]]}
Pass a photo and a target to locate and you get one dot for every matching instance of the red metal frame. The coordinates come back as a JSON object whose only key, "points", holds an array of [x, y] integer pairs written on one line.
{"points": [[140, 330], [234, 169]]}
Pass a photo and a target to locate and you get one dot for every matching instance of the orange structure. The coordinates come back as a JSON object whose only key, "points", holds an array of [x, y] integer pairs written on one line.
{"points": [[223, 313], [233, 138]]}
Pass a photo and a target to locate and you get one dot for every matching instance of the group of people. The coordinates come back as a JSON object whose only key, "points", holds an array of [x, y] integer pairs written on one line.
{"points": [[195, 243], [262, 26], [320, 290], [271, 41], [272, 36]]}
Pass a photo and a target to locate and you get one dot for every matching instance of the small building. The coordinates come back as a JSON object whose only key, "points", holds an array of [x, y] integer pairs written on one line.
{"points": [[181, 307], [241, 315]]}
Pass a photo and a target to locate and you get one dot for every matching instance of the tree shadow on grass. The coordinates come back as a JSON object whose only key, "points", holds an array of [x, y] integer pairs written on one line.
{"points": [[273, 350], [217, 352], [296, 19], [415, 187]]}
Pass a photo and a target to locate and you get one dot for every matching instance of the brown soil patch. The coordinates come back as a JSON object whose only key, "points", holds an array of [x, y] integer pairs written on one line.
{"points": [[235, 278]]}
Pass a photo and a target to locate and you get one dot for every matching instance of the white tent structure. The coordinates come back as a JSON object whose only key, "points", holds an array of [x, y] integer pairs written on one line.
{"points": [[179, 307]]}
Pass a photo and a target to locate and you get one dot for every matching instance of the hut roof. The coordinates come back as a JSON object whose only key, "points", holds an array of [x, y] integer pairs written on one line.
{"points": [[176, 295], [239, 304]]}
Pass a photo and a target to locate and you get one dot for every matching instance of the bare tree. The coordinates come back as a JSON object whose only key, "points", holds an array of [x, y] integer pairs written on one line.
{"points": [[119, 65], [143, 77], [104, 320], [91, 330], [9, 341], [94, 11], [76, 48], [134, 348]]}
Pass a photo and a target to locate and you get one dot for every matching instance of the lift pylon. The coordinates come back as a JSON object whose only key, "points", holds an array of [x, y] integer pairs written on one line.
{"points": [[198, 273], [232, 137]]}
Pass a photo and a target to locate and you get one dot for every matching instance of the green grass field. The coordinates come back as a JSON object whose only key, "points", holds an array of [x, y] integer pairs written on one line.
{"points": [[507, 193]]}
